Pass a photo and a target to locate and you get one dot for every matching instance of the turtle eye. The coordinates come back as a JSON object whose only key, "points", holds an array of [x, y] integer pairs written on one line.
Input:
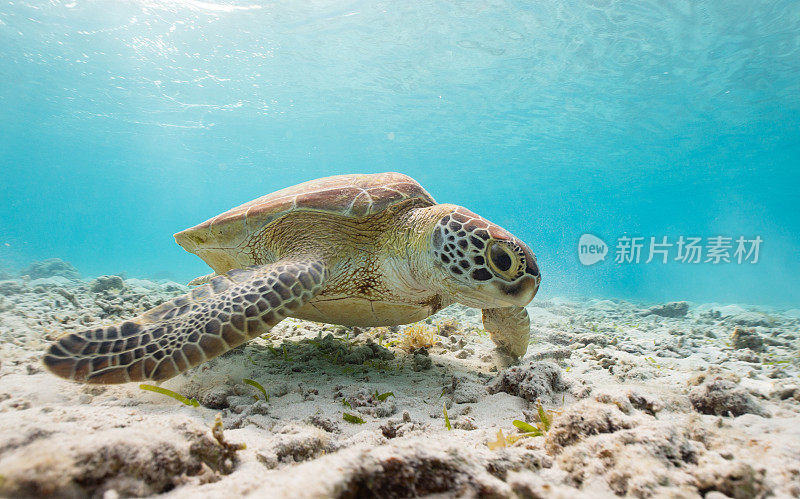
{"points": [[503, 260], [500, 258]]}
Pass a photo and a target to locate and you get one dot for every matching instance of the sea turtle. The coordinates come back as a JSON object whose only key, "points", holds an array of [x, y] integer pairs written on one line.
{"points": [[355, 250]]}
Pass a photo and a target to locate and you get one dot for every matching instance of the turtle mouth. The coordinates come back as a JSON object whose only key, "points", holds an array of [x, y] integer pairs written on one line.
{"points": [[477, 299], [497, 295]]}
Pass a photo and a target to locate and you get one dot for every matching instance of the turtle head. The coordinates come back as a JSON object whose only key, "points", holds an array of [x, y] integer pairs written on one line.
{"points": [[482, 264]]}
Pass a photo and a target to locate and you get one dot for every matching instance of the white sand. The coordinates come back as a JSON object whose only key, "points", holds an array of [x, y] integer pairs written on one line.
{"points": [[628, 391]]}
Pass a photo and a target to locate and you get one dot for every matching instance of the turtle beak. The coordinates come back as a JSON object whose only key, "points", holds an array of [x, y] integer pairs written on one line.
{"points": [[532, 273], [521, 292], [498, 295]]}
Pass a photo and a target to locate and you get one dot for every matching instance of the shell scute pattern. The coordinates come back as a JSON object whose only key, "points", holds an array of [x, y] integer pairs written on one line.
{"points": [[351, 196]]}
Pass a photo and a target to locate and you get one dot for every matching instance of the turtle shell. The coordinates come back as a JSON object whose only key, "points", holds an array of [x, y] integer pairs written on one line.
{"points": [[351, 196]]}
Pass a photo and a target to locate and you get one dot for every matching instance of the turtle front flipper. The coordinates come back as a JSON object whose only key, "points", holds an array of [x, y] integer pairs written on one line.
{"points": [[509, 328], [190, 329]]}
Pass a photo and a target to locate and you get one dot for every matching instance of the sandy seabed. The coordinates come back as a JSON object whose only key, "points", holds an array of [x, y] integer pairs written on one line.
{"points": [[669, 400]]}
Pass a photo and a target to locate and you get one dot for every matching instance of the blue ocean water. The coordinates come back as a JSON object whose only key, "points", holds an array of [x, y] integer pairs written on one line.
{"points": [[122, 123]]}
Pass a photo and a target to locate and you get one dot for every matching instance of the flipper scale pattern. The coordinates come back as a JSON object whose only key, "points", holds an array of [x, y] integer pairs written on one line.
{"points": [[190, 329]]}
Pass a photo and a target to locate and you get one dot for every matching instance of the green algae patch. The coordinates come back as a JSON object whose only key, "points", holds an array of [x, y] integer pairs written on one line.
{"points": [[169, 393], [352, 418], [544, 418], [258, 386], [527, 428], [383, 396]]}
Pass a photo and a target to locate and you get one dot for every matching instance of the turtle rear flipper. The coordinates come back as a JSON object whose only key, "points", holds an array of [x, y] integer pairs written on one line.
{"points": [[190, 329], [203, 279]]}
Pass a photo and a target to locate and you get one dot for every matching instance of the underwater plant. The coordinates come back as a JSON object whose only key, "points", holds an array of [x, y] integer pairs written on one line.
{"points": [[417, 336], [177, 396], [499, 443], [527, 429], [227, 457], [258, 386], [352, 418], [383, 396]]}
